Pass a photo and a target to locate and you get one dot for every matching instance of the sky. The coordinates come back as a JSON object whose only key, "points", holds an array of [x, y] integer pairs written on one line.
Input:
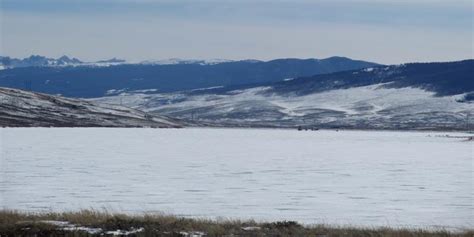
{"points": [[383, 31]]}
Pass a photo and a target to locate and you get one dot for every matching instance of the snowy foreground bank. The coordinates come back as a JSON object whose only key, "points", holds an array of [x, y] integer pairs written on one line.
{"points": [[361, 178]]}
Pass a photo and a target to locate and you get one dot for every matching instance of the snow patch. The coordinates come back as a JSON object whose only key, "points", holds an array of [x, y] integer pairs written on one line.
{"points": [[208, 88], [66, 226], [115, 91], [144, 91], [174, 61]]}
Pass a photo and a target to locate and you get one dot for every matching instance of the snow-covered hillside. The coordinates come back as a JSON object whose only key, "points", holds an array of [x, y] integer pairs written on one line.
{"points": [[373, 106], [27, 109], [408, 96]]}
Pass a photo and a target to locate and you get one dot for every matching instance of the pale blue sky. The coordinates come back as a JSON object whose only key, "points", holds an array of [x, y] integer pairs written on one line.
{"points": [[385, 31]]}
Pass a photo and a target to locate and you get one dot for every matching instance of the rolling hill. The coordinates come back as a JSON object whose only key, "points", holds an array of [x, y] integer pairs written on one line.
{"points": [[20, 108], [409, 96]]}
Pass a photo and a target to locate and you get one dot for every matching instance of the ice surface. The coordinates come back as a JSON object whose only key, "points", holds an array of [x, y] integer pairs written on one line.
{"points": [[415, 179]]}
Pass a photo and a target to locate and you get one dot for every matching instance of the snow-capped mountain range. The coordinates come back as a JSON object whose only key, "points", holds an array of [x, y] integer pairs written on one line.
{"points": [[64, 61], [172, 61]]}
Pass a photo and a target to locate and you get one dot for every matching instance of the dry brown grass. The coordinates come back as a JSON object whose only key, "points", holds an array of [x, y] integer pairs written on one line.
{"points": [[14, 223]]}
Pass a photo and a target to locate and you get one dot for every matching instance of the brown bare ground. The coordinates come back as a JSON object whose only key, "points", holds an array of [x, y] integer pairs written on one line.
{"points": [[15, 223]]}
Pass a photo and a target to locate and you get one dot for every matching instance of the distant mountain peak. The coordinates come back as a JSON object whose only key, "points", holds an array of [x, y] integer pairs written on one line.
{"points": [[64, 60], [64, 57], [112, 60], [337, 58], [42, 61]]}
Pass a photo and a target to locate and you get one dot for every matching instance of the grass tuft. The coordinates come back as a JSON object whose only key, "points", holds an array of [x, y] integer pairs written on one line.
{"points": [[15, 223]]}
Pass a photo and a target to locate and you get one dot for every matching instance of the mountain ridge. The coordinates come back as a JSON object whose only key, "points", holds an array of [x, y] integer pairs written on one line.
{"points": [[90, 82], [446, 78]]}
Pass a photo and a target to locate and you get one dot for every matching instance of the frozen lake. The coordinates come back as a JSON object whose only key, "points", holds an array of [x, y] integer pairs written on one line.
{"points": [[349, 177]]}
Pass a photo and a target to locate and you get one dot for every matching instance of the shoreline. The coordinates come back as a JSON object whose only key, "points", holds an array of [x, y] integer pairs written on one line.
{"points": [[100, 223], [264, 128]]}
